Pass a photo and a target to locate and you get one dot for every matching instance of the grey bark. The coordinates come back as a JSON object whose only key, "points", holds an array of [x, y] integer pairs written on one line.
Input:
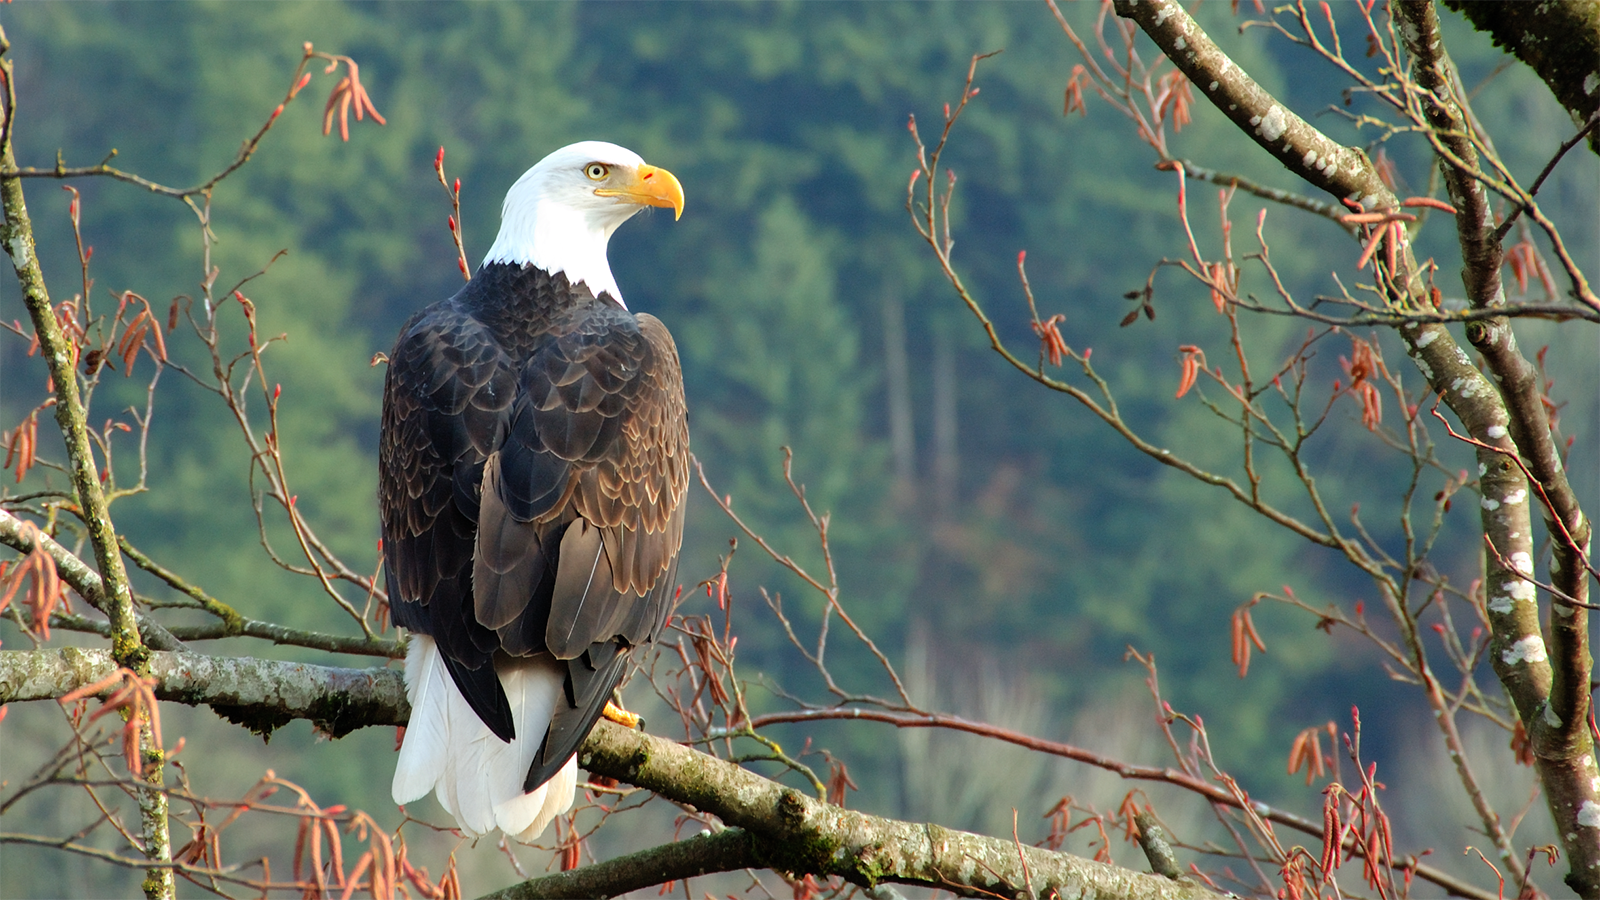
{"points": [[790, 831]]}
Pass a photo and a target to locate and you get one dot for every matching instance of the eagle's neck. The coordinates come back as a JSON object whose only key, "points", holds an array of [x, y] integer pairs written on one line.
{"points": [[522, 304], [558, 239]]}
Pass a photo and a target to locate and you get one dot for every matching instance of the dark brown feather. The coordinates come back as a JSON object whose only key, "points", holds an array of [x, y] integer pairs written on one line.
{"points": [[533, 468]]}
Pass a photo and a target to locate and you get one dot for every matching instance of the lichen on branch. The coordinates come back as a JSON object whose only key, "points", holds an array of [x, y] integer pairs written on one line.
{"points": [[792, 832]]}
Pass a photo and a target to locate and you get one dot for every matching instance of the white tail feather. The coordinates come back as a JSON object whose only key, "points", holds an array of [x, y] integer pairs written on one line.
{"points": [[427, 737], [527, 816], [476, 776]]}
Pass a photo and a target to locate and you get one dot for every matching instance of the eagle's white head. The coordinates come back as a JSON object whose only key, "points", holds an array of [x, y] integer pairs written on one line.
{"points": [[560, 214]]}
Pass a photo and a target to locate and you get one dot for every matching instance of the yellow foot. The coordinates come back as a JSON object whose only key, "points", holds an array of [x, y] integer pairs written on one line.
{"points": [[621, 716]]}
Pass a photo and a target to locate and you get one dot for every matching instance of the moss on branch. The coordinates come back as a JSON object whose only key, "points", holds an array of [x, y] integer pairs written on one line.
{"points": [[787, 830]]}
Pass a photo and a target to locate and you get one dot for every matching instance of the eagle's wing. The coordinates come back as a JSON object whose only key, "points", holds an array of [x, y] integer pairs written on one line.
{"points": [[535, 508], [447, 401], [581, 514]]}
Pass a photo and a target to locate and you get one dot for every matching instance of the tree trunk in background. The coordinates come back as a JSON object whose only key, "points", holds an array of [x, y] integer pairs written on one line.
{"points": [[897, 377], [945, 461]]}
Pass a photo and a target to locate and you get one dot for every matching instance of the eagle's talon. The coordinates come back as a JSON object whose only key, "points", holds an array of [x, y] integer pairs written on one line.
{"points": [[621, 716]]}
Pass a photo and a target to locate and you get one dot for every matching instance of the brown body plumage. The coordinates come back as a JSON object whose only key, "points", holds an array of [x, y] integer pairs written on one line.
{"points": [[533, 467]]}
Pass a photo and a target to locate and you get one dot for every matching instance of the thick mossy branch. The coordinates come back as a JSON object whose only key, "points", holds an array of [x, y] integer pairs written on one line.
{"points": [[805, 836], [260, 694], [788, 830], [1558, 39]]}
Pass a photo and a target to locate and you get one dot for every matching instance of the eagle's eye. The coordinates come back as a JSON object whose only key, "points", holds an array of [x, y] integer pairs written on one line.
{"points": [[596, 171]]}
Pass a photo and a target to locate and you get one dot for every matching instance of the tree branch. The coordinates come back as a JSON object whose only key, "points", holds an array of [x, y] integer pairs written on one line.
{"points": [[1346, 173], [16, 233], [792, 832], [1556, 717], [1558, 39], [703, 854], [260, 694], [83, 579], [813, 837], [61, 357]]}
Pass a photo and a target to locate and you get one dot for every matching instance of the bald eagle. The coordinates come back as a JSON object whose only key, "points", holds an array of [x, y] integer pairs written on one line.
{"points": [[532, 471]]}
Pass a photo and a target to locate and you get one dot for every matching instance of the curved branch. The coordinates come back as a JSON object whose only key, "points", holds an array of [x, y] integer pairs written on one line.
{"points": [[703, 854], [1556, 717], [809, 836], [796, 833], [1558, 39], [83, 579]]}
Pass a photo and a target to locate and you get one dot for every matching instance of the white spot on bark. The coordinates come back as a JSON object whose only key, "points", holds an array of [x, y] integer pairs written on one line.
{"points": [[1255, 120], [1180, 43], [1212, 87], [1490, 504], [1589, 814], [1530, 648], [1550, 717], [1501, 605], [1590, 82], [19, 251], [1522, 562], [1483, 470], [1274, 124], [1427, 338], [1496, 431], [1310, 158], [1515, 497], [1162, 14], [1522, 590]]}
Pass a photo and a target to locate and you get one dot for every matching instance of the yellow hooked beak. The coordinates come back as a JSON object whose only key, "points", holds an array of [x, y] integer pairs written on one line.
{"points": [[650, 186]]}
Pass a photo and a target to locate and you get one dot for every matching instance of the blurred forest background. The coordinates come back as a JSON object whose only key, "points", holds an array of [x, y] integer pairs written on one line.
{"points": [[994, 538]]}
